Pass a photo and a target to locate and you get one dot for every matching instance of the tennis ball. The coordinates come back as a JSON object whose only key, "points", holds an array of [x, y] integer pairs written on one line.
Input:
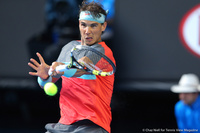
{"points": [[50, 89]]}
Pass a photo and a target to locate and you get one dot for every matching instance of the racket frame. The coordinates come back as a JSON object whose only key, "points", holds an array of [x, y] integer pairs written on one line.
{"points": [[75, 64], [95, 72]]}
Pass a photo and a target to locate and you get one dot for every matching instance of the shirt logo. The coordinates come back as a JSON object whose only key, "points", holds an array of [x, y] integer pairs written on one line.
{"points": [[189, 30]]}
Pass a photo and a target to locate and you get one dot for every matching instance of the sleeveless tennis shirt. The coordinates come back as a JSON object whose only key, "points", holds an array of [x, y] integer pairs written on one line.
{"points": [[88, 96]]}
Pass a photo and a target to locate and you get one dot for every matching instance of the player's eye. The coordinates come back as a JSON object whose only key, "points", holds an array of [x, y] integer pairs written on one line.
{"points": [[83, 24], [94, 25]]}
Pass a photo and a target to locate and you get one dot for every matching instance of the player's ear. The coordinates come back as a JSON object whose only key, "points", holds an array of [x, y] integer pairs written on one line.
{"points": [[104, 25]]}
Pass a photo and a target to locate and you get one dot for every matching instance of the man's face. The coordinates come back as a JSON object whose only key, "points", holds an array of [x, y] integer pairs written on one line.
{"points": [[188, 98], [90, 31]]}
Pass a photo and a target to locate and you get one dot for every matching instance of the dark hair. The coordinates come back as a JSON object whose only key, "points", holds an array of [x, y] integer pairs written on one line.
{"points": [[95, 8]]}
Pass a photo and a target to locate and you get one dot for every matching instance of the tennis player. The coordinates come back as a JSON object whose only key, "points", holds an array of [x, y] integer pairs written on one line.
{"points": [[84, 98]]}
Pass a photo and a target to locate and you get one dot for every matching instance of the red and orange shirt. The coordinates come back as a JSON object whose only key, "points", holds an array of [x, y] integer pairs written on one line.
{"points": [[88, 96]]}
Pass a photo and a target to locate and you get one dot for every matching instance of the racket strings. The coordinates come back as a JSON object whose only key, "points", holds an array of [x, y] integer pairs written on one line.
{"points": [[92, 60], [104, 65]]}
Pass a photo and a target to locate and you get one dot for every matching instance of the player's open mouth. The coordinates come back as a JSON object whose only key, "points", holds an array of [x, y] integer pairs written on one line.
{"points": [[88, 38]]}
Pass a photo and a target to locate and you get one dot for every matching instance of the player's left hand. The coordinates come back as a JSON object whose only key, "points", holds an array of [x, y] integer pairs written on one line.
{"points": [[41, 68]]}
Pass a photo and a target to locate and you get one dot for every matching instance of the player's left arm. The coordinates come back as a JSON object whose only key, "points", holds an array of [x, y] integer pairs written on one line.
{"points": [[41, 70]]}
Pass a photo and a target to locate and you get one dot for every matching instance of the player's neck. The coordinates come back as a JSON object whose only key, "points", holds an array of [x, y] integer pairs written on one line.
{"points": [[83, 43]]}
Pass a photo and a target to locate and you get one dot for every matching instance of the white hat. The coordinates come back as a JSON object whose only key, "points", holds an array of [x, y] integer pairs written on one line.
{"points": [[188, 83]]}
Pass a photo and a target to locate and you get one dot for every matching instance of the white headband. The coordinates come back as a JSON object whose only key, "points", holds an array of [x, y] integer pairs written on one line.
{"points": [[86, 15]]}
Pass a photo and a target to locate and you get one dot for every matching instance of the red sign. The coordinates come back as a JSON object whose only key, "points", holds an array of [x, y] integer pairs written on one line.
{"points": [[189, 30]]}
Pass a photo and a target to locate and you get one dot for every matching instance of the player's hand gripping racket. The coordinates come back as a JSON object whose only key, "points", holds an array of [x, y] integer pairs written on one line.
{"points": [[88, 59]]}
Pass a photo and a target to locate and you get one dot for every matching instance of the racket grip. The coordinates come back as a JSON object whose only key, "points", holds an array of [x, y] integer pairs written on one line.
{"points": [[60, 68]]}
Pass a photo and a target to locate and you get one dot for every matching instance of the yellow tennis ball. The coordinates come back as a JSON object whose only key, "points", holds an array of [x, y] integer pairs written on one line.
{"points": [[50, 89]]}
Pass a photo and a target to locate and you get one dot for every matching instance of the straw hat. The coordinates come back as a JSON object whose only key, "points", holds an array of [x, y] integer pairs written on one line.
{"points": [[188, 83]]}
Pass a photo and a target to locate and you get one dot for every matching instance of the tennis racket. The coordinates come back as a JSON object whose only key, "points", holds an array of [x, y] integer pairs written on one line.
{"points": [[89, 59]]}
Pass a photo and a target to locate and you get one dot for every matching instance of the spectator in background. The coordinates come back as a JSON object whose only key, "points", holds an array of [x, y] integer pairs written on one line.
{"points": [[61, 27], [187, 110]]}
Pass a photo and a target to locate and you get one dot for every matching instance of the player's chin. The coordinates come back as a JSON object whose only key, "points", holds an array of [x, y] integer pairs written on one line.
{"points": [[89, 43]]}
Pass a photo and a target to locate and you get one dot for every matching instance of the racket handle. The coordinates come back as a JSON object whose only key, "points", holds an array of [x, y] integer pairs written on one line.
{"points": [[60, 68]]}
